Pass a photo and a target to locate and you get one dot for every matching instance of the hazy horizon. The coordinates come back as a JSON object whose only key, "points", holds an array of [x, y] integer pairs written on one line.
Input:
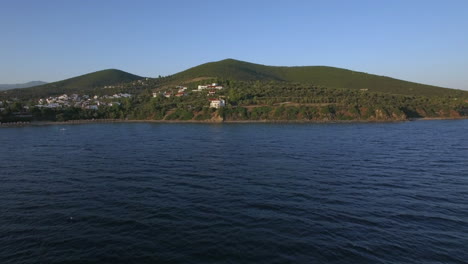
{"points": [[417, 41]]}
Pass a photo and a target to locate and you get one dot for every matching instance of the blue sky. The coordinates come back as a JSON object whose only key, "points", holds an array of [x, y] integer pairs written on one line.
{"points": [[422, 41]]}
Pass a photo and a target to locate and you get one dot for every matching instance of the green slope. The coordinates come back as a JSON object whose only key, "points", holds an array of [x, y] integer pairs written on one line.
{"points": [[318, 75], [79, 84]]}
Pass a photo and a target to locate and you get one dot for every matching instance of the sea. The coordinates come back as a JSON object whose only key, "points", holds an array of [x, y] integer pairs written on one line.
{"points": [[235, 193]]}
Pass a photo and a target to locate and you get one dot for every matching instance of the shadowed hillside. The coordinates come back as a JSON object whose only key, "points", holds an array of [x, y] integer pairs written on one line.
{"points": [[83, 83]]}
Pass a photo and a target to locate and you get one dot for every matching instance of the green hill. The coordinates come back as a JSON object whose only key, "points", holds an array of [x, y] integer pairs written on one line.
{"points": [[318, 75], [80, 84]]}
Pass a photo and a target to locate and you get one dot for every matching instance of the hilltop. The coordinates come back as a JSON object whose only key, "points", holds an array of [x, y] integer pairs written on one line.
{"points": [[324, 76], [80, 84]]}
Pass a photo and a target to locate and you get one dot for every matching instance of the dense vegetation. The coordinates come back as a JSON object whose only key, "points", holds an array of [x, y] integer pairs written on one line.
{"points": [[267, 100], [252, 92], [318, 75]]}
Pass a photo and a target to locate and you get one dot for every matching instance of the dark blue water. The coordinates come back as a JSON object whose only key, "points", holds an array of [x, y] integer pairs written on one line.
{"points": [[235, 193]]}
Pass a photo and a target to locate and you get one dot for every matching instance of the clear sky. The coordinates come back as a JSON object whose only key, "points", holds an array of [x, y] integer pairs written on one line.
{"points": [[417, 40]]}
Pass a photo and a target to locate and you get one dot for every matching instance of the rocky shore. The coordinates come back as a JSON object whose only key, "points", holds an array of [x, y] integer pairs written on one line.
{"points": [[210, 121]]}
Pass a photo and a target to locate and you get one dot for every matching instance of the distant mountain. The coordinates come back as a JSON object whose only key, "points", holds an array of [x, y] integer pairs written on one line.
{"points": [[20, 85], [318, 75], [79, 84]]}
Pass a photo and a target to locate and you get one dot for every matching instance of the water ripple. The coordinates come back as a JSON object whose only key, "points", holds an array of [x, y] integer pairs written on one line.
{"points": [[247, 193]]}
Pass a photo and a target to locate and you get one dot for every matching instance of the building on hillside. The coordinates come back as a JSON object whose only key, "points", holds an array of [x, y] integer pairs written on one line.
{"points": [[181, 88], [217, 103], [92, 107], [210, 86]]}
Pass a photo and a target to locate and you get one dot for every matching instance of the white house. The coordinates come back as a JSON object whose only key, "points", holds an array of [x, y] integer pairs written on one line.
{"points": [[217, 103], [210, 86], [181, 88], [215, 86]]}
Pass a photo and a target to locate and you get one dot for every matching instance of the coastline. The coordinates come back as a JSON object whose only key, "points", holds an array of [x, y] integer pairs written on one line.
{"points": [[104, 121]]}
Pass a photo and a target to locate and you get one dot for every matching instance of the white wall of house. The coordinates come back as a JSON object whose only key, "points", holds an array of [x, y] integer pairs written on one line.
{"points": [[217, 103]]}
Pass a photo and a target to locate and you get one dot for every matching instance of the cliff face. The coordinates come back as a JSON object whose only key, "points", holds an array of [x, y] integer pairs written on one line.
{"points": [[385, 116]]}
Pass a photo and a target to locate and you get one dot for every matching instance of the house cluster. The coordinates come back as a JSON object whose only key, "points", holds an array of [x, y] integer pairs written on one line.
{"points": [[181, 91], [142, 82], [213, 86], [212, 89], [85, 101]]}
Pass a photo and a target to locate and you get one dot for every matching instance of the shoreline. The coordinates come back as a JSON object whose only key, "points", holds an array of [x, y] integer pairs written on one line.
{"points": [[104, 121]]}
